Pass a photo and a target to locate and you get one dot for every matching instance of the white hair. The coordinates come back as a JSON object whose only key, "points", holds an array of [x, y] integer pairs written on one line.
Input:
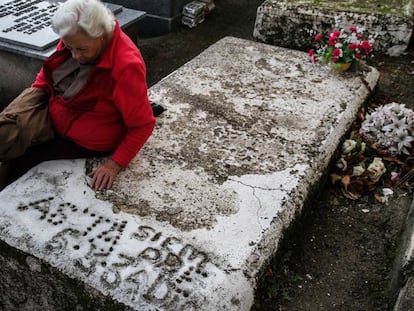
{"points": [[90, 16]]}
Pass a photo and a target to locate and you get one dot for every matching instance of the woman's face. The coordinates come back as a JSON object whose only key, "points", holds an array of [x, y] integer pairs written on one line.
{"points": [[84, 49]]}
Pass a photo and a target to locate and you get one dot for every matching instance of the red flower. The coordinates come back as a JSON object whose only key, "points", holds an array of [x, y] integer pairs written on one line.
{"points": [[366, 45], [313, 56], [318, 37], [337, 52], [353, 46], [340, 46], [332, 41]]}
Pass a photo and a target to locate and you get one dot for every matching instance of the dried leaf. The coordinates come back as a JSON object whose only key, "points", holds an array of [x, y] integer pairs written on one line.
{"points": [[361, 115], [350, 195], [345, 181], [335, 178], [393, 160], [378, 198]]}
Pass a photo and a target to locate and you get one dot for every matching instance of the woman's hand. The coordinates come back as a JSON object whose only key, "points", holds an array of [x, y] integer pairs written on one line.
{"points": [[104, 175]]}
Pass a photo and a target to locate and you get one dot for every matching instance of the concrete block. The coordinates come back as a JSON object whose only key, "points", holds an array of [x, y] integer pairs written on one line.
{"points": [[294, 24], [154, 25], [191, 224], [18, 73]]}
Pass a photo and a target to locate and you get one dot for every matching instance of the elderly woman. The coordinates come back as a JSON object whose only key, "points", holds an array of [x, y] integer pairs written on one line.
{"points": [[98, 103]]}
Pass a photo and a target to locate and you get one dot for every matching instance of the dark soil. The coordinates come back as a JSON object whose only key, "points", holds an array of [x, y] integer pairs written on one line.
{"points": [[339, 255]]}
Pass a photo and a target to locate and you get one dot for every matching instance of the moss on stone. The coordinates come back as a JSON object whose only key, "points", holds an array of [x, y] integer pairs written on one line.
{"points": [[394, 7]]}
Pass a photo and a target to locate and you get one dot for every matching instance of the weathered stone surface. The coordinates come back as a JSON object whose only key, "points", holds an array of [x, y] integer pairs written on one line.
{"points": [[405, 301], [403, 274], [190, 224], [294, 24], [28, 284]]}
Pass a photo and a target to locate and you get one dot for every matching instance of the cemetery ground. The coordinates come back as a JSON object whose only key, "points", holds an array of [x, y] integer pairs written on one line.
{"points": [[339, 254]]}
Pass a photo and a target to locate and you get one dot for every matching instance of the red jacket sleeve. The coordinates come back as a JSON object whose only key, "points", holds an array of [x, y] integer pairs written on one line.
{"points": [[40, 81], [131, 98]]}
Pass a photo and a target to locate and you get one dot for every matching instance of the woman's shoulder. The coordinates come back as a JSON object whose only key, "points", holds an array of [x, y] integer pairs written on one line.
{"points": [[125, 45], [126, 51], [125, 56]]}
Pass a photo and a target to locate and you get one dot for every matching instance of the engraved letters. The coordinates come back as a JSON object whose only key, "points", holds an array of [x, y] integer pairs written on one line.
{"points": [[123, 255]]}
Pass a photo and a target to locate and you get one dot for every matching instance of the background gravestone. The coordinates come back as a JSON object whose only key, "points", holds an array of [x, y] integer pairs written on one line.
{"points": [[162, 16], [294, 23]]}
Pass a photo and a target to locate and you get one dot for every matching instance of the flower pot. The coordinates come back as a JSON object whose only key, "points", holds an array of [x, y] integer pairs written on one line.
{"points": [[341, 67]]}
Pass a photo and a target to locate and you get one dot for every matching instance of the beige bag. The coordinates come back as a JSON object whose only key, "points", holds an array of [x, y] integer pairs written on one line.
{"points": [[24, 122]]}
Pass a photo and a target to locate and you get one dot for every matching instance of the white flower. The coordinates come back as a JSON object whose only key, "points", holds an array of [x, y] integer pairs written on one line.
{"points": [[342, 164], [348, 146], [376, 169], [363, 147], [360, 29], [387, 193], [391, 126], [358, 170], [395, 125], [403, 140]]}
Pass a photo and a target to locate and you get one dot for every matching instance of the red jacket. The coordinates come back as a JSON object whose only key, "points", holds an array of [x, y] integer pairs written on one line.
{"points": [[112, 111]]}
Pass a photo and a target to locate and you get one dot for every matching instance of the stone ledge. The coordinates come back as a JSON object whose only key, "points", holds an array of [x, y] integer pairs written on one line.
{"points": [[403, 275], [294, 24], [26, 281], [191, 223], [405, 299]]}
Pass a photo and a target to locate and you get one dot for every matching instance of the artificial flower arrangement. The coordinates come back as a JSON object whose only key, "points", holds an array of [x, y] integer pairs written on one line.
{"points": [[340, 48], [378, 153], [391, 126]]}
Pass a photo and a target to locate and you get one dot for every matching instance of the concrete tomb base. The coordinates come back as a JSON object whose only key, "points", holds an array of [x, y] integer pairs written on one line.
{"points": [[190, 225], [294, 24]]}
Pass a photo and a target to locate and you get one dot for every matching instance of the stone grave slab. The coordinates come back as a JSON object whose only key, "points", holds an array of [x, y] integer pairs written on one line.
{"points": [[190, 225], [294, 24]]}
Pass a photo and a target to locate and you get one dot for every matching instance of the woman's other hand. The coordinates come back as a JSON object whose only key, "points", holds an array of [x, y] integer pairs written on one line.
{"points": [[104, 175]]}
